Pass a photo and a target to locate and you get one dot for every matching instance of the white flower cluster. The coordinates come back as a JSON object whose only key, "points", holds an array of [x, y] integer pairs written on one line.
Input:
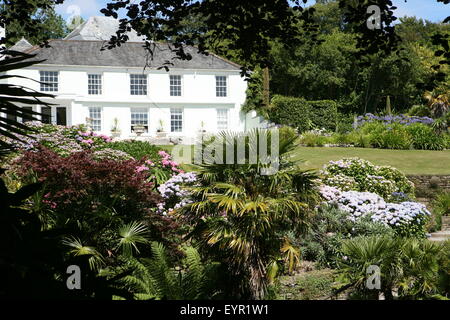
{"points": [[174, 194], [360, 204]]}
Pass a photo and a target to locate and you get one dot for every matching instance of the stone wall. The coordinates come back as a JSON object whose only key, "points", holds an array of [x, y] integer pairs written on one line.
{"points": [[441, 183]]}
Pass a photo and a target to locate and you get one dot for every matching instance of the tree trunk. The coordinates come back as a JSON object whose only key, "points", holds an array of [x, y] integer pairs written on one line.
{"points": [[266, 87]]}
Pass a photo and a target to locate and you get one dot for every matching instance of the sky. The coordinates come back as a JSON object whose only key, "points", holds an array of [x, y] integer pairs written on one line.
{"points": [[425, 9]]}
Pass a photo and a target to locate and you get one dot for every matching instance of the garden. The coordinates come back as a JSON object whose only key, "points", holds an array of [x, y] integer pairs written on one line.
{"points": [[140, 227]]}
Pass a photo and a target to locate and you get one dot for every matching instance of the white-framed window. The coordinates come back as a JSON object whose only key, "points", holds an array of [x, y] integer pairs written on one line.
{"points": [[176, 120], [94, 84], [139, 117], [138, 84], [95, 113], [175, 85], [222, 119], [49, 81], [221, 86]]}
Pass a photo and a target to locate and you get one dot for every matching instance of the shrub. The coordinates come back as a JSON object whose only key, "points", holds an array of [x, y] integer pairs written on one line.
{"points": [[394, 119], [361, 175], [425, 138], [62, 140], [92, 196], [406, 219], [328, 227], [415, 269], [312, 139], [393, 136], [137, 149], [304, 115]]}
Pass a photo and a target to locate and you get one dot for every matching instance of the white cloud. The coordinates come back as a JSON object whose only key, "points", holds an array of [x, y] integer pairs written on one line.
{"points": [[85, 8]]}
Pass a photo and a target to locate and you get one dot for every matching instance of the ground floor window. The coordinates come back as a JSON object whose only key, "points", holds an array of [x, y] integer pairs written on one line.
{"points": [[222, 119], [139, 118], [46, 115], [176, 120], [61, 116], [95, 115]]}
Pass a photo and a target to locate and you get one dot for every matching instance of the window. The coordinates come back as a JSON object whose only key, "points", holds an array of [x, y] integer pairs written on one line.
{"points": [[176, 120], [95, 113], [94, 84], [27, 116], [46, 115], [138, 84], [139, 117], [175, 86], [61, 116], [221, 86], [49, 81], [222, 119]]}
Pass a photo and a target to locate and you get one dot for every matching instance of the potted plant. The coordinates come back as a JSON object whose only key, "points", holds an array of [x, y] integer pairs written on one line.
{"points": [[139, 130], [115, 129], [160, 130], [202, 129]]}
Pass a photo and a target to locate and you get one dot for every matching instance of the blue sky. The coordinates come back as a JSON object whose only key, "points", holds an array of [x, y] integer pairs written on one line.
{"points": [[426, 9]]}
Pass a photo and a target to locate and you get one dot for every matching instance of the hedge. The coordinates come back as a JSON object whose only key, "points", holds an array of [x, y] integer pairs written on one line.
{"points": [[304, 115]]}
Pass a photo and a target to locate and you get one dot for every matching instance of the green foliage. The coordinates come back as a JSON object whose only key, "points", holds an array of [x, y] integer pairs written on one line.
{"points": [[412, 267], [361, 175], [311, 285], [159, 278], [137, 149], [240, 215], [328, 227], [304, 115], [425, 138], [47, 24], [394, 136], [442, 203]]}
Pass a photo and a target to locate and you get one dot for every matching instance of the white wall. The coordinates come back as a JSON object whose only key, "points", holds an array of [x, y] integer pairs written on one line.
{"points": [[198, 99]]}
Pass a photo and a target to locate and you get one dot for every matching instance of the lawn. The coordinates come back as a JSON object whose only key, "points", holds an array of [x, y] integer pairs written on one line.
{"points": [[411, 162]]}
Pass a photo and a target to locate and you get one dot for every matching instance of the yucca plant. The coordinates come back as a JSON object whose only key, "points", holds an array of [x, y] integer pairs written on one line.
{"points": [[241, 212]]}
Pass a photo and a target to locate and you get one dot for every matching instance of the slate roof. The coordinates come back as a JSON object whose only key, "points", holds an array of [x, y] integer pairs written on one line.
{"points": [[21, 45], [130, 54], [100, 28]]}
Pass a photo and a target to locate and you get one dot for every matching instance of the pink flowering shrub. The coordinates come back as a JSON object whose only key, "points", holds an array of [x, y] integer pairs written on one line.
{"points": [[93, 196], [61, 139]]}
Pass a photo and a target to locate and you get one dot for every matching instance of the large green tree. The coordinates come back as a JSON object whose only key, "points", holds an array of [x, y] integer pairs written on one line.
{"points": [[36, 20]]}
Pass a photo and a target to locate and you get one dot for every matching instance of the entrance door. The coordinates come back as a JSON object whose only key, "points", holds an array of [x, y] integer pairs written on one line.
{"points": [[61, 116]]}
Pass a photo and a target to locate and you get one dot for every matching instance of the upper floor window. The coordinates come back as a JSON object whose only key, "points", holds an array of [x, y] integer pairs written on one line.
{"points": [[49, 81], [138, 84], [95, 115], [94, 84], [175, 85], [222, 119], [221, 86], [176, 120], [139, 118]]}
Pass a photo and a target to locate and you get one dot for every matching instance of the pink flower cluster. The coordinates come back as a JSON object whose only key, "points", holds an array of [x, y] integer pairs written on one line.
{"points": [[167, 162], [88, 137]]}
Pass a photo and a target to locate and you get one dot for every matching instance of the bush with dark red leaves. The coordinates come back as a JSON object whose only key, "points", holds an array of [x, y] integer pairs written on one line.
{"points": [[93, 197]]}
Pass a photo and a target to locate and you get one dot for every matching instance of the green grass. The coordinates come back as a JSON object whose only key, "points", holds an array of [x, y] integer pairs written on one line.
{"points": [[411, 162]]}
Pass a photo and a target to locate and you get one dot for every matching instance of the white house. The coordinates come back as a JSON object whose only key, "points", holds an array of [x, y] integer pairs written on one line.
{"points": [[98, 86]]}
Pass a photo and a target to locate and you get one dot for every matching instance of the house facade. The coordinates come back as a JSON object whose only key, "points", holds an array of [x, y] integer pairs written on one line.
{"points": [[122, 90]]}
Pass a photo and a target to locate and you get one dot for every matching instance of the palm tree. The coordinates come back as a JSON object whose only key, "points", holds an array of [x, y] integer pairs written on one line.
{"points": [[240, 213], [13, 96], [438, 101]]}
